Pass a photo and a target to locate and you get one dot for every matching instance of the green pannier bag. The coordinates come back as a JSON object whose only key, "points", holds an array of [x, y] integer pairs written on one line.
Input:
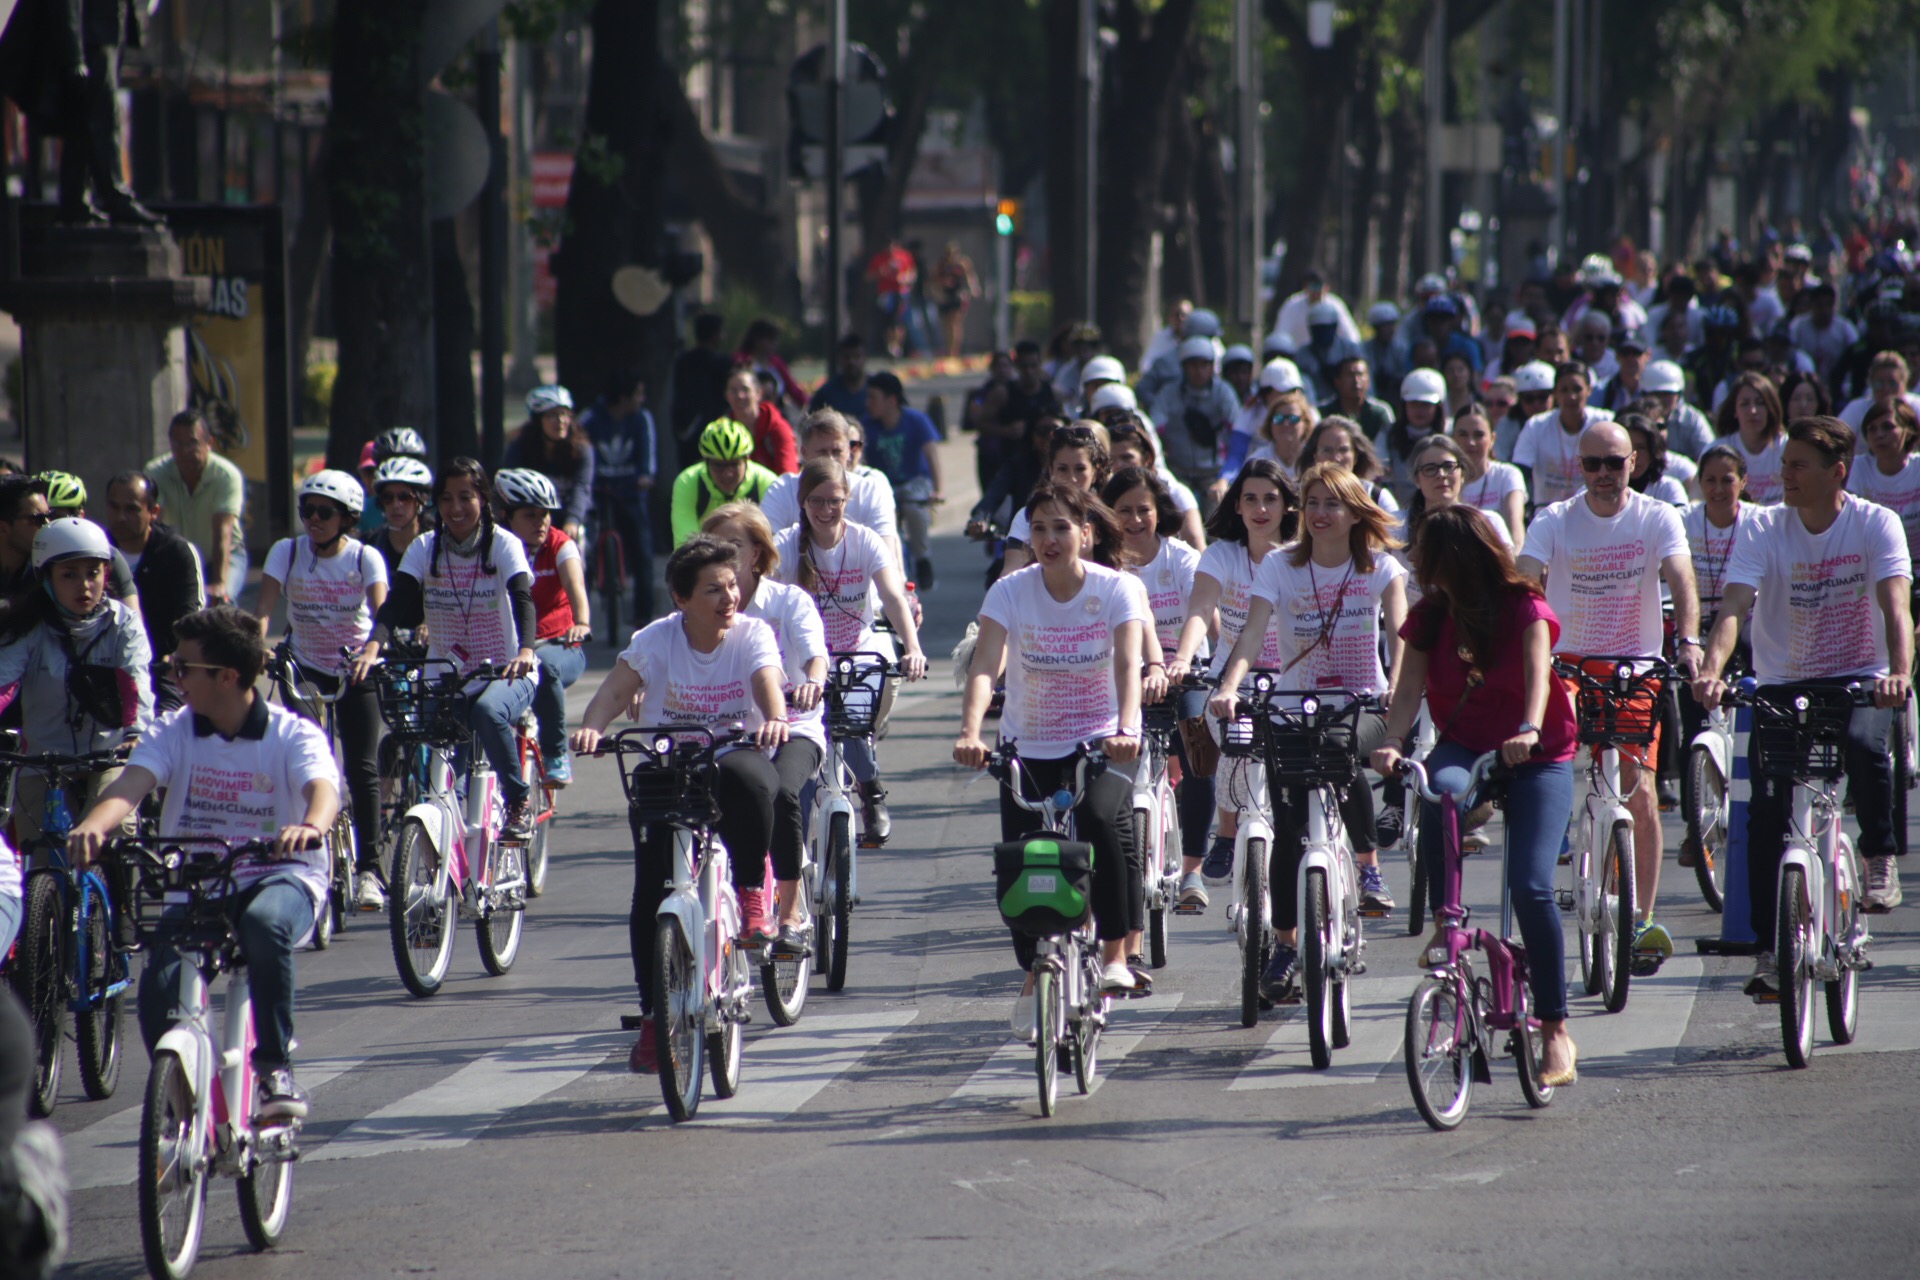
{"points": [[1045, 884]]}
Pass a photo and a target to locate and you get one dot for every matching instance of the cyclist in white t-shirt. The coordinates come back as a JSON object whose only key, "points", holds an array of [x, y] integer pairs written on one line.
{"points": [[1548, 450], [1321, 602], [706, 663], [1488, 484], [1751, 420], [824, 434], [1827, 576], [1601, 556], [1078, 456], [235, 767], [1134, 445], [333, 585], [1890, 473]]}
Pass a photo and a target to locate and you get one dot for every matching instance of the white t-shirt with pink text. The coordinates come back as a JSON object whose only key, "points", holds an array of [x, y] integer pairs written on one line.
{"points": [[1060, 678], [1552, 454], [1326, 622], [1603, 574], [1898, 493], [1168, 578], [801, 637], [469, 612], [1229, 564], [843, 580], [681, 685], [1763, 469], [1816, 612], [326, 597]]}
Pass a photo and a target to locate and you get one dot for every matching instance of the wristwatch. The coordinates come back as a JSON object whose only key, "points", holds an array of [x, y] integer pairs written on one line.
{"points": [[1526, 726], [1695, 641]]}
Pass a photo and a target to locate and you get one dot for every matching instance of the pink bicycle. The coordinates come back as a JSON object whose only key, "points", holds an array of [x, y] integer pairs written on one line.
{"points": [[1456, 1016]]}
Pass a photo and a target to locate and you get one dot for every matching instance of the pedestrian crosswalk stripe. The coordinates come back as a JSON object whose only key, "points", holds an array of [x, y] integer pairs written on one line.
{"points": [[1008, 1074], [107, 1152], [459, 1108], [1889, 1006], [782, 1070], [1645, 1033], [1379, 1020]]}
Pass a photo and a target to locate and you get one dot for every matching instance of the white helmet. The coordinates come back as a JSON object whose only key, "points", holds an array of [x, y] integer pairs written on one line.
{"points": [[1238, 353], [1423, 386], [1196, 349], [1534, 375], [70, 538], [1323, 312], [520, 487], [1383, 313], [541, 399], [1663, 376], [1281, 375], [335, 486], [408, 471], [1114, 395], [1102, 369]]}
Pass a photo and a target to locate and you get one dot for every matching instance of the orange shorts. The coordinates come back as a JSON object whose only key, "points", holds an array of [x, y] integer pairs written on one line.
{"points": [[1639, 714]]}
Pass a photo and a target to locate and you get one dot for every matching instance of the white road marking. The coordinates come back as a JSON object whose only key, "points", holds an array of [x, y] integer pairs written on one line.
{"points": [[1008, 1074], [1378, 1024], [1889, 1019], [1649, 1030], [782, 1070]]}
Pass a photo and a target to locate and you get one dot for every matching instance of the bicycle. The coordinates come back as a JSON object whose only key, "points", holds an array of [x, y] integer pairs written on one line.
{"points": [[1156, 818], [1799, 737], [451, 860], [1070, 1011], [304, 698], [701, 979], [198, 1112], [1615, 704], [607, 570], [1418, 891], [1455, 1016], [1250, 909], [66, 959], [1709, 802], [1310, 753]]}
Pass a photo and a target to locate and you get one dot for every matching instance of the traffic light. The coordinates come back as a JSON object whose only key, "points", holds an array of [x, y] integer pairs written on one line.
{"points": [[1006, 218]]}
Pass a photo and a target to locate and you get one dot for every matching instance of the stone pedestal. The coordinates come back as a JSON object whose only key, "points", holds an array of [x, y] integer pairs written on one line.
{"points": [[101, 311]]}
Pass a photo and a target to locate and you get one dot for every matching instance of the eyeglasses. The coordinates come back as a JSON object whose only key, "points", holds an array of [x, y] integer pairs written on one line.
{"points": [[1593, 466], [316, 511], [820, 502], [41, 518], [391, 496], [1433, 470]]}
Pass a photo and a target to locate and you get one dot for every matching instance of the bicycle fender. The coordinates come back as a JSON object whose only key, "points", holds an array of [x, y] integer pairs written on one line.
{"points": [[685, 908], [189, 1046], [439, 829], [1718, 747]]}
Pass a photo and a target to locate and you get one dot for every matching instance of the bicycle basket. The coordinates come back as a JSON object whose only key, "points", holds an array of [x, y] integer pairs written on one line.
{"points": [[1044, 884], [420, 708], [1805, 739], [677, 789], [181, 905], [1615, 714], [852, 707], [1312, 745]]}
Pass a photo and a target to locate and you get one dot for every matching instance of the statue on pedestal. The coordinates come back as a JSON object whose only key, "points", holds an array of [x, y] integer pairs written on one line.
{"points": [[60, 63]]}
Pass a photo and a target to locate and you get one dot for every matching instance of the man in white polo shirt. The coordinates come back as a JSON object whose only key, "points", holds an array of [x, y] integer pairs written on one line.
{"points": [[1826, 574], [1602, 554]]}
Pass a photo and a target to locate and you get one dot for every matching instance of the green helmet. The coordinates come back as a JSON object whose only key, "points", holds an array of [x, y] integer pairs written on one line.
{"points": [[65, 490], [724, 440]]}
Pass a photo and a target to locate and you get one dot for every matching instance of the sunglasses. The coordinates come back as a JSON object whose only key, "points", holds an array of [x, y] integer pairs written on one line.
{"points": [[179, 668], [392, 496], [1593, 466], [1284, 419], [1079, 435], [42, 518], [317, 511]]}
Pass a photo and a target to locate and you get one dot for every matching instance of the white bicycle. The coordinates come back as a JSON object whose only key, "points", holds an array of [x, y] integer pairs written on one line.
{"points": [[1250, 910], [1156, 822]]}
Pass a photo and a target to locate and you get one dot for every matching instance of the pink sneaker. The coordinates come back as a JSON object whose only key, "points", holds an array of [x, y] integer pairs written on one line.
{"points": [[644, 1060], [757, 917]]}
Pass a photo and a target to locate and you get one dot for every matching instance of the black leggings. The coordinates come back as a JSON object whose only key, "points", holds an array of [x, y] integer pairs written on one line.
{"points": [[1104, 819], [796, 762], [1290, 826], [358, 716], [747, 787]]}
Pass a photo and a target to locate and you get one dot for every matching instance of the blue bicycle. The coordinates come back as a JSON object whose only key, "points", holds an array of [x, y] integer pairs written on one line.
{"points": [[67, 959]]}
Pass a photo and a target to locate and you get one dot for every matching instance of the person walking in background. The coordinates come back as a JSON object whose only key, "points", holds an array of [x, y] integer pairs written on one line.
{"points": [[204, 496], [625, 465], [845, 389], [892, 273], [955, 287], [700, 379], [166, 574]]}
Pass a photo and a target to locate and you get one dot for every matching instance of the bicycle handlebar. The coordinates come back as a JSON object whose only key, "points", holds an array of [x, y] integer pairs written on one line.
{"points": [[1630, 671], [1746, 692], [1415, 774], [58, 763], [1003, 763]]}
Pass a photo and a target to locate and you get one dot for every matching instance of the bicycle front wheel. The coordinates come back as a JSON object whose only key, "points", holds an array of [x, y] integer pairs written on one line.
{"points": [[1793, 954], [266, 1201], [534, 855], [1707, 822], [1256, 942], [420, 911], [1046, 1051], [679, 1019], [1615, 938], [98, 1025], [1439, 1053], [1314, 931], [498, 932], [173, 1172], [40, 982], [837, 876]]}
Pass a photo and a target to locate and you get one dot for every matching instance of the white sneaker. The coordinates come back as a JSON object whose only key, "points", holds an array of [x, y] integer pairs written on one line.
{"points": [[1023, 1018], [1117, 977], [1883, 883], [368, 895]]}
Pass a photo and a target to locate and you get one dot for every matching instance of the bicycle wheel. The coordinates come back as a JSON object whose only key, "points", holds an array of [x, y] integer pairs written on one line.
{"points": [[679, 1019], [323, 920], [1046, 1052], [1438, 1053], [1616, 938], [1256, 943], [1843, 994], [535, 856], [1707, 822], [40, 982], [1585, 874], [266, 1201], [173, 1175], [723, 1046], [420, 911], [346, 844], [1793, 953], [1314, 926], [784, 981], [837, 877], [98, 1025], [1086, 1053], [498, 932], [1156, 916], [1416, 871], [1529, 1046]]}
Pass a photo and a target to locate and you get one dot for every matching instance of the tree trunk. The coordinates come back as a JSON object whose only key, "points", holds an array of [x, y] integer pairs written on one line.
{"points": [[382, 268], [306, 263], [1405, 181], [1133, 135], [1180, 275], [1065, 245], [455, 406], [1368, 217], [615, 207], [746, 238], [1212, 210]]}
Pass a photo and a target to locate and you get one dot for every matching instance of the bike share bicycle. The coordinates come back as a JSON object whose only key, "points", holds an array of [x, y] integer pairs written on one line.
{"points": [[197, 1116], [1455, 1017], [702, 982], [1249, 907], [67, 958], [451, 858], [1045, 890], [1156, 817], [304, 698]]}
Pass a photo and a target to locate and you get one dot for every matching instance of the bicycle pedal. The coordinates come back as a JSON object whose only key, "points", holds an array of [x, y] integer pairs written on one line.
{"points": [[1875, 910], [1563, 898], [1188, 909], [1767, 997], [1375, 913], [1643, 967]]}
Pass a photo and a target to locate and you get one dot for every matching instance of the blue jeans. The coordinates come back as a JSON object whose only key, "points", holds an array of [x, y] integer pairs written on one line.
{"points": [[494, 712], [12, 908], [270, 918], [560, 666], [1539, 798]]}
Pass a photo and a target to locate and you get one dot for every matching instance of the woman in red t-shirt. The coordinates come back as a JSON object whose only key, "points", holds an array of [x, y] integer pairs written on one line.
{"points": [[1480, 646], [528, 502]]}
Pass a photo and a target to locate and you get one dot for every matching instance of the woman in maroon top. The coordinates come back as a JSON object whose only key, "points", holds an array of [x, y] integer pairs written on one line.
{"points": [[1480, 645]]}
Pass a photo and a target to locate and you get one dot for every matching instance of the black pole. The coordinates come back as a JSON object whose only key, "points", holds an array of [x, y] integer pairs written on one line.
{"points": [[835, 175], [493, 251]]}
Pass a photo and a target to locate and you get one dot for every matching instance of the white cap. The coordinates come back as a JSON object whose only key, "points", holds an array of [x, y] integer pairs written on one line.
{"points": [[1281, 375], [1103, 369], [1323, 312], [1383, 313], [1535, 375], [1196, 349], [1424, 386], [1114, 395], [1238, 353], [1663, 375]]}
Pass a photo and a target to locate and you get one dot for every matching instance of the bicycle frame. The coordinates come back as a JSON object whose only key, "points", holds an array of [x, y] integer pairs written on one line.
{"points": [[229, 1138], [1826, 856], [1153, 798]]}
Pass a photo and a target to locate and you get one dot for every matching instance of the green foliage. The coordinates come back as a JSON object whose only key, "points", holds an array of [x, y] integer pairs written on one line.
{"points": [[739, 305], [538, 21], [598, 160], [316, 389], [1032, 314]]}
